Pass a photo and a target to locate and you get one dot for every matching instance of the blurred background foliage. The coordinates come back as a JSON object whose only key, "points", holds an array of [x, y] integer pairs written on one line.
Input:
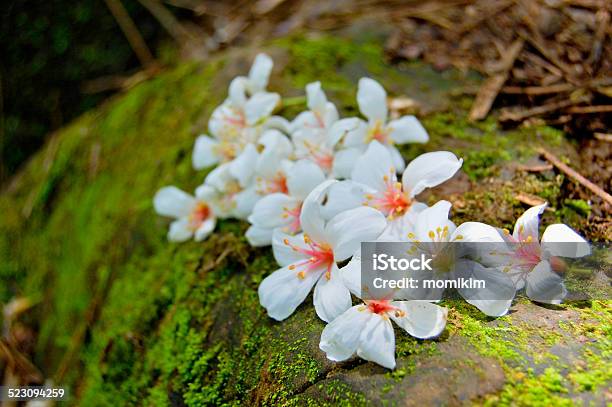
{"points": [[49, 49]]}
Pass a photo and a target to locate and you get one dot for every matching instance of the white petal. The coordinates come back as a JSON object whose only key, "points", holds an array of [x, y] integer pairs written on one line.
{"points": [[429, 170], [342, 196], [495, 298], [284, 253], [348, 128], [399, 228], [180, 230], [377, 342], [396, 157], [303, 177], [242, 166], [237, 91], [245, 201], [304, 119], [268, 211], [260, 73], [315, 97], [544, 285], [219, 177], [330, 116], [283, 291], [173, 202], [372, 99], [258, 236], [477, 232], [204, 152], [347, 230], [311, 219], [560, 240], [527, 225], [331, 297], [206, 193], [374, 168], [421, 319], [344, 161], [260, 106], [340, 338], [407, 129], [278, 123], [205, 229], [431, 219], [351, 274]]}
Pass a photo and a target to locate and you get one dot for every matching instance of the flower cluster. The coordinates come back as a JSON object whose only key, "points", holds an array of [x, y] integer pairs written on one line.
{"points": [[317, 187]]}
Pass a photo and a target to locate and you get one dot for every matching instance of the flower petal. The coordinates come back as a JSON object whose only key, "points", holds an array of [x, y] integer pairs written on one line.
{"points": [[316, 99], [205, 229], [347, 230], [258, 236], [260, 73], [374, 168], [340, 338], [560, 240], [342, 196], [331, 297], [180, 230], [377, 342], [311, 219], [204, 152], [303, 177], [372, 99], [259, 106], [237, 89], [173, 202], [527, 225], [350, 128], [206, 193], [245, 201], [344, 161], [269, 210], [495, 298], [242, 166], [283, 291], [545, 286], [396, 157], [431, 219], [429, 170], [421, 319], [407, 129], [284, 253]]}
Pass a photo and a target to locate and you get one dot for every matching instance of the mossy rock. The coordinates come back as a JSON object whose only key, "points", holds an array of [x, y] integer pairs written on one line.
{"points": [[125, 318]]}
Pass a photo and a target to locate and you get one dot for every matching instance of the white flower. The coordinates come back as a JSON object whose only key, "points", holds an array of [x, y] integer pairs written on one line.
{"points": [[241, 119], [534, 264], [372, 101], [282, 209], [366, 329], [310, 258], [234, 199], [321, 114], [434, 235], [377, 185], [194, 216]]}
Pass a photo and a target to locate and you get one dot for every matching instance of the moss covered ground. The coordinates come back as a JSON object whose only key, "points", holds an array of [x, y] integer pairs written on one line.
{"points": [[125, 318]]}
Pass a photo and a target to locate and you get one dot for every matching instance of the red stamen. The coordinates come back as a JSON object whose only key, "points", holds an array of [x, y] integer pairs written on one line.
{"points": [[319, 256]]}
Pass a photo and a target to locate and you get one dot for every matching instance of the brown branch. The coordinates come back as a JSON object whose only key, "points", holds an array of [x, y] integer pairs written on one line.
{"points": [[567, 170], [590, 109], [167, 20], [130, 31], [491, 87]]}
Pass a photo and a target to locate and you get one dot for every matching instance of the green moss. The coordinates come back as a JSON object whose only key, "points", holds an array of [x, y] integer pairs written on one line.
{"points": [[154, 323]]}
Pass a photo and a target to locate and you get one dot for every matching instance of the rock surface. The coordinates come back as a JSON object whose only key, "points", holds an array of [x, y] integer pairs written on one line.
{"points": [[125, 318]]}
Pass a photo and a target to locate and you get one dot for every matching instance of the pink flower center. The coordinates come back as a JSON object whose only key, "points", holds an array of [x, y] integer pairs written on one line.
{"points": [[527, 252], [200, 213], [393, 202], [378, 132], [382, 307], [320, 256], [321, 157], [293, 214], [276, 184]]}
